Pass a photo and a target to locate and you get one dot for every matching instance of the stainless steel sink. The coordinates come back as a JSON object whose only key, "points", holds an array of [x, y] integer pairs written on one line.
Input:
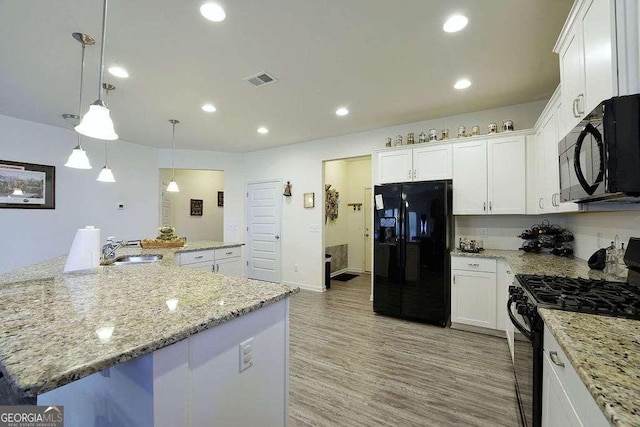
{"points": [[136, 259]]}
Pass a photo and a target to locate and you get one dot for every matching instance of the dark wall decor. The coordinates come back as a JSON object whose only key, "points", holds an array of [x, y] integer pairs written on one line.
{"points": [[27, 185], [196, 207], [221, 198]]}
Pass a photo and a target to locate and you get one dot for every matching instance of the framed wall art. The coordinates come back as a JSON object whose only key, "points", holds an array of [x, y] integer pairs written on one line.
{"points": [[196, 207], [27, 185], [309, 200]]}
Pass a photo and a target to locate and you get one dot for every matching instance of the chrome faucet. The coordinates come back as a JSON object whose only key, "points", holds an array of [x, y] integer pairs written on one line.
{"points": [[109, 249]]}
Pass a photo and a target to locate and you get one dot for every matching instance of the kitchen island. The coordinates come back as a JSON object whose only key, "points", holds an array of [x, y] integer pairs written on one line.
{"points": [[147, 344]]}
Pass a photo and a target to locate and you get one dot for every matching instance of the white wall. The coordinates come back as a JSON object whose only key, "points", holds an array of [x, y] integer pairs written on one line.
{"points": [[234, 183], [336, 232], [302, 164], [196, 184], [33, 235]]}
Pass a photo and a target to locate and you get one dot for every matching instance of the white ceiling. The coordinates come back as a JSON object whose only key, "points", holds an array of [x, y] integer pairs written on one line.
{"points": [[389, 62]]}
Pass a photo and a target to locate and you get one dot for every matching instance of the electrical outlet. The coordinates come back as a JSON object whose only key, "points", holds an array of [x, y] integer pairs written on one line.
{"points": [[246, 354], [295, 267], [484, 233]]}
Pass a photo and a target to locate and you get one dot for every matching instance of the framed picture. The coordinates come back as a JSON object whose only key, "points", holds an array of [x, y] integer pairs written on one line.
{"points": [[309, 200], [196, 207], [27, 185], [221, 198]]}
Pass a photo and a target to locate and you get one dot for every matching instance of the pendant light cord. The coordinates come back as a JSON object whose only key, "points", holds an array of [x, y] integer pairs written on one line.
{"points": [[104, 36], [173, 149], [81, 85]]}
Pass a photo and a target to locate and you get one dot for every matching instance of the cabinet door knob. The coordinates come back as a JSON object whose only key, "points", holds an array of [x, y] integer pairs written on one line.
{"points": [[490, 208], [540, 203], [484, 206], [454, 279], [555, 359], [580, 111], [277, 237], [198, 257]]}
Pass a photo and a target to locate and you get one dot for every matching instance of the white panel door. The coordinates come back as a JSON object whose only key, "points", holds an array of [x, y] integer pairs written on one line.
{"points": [[507, 178], [598, 63], [264, 206], [395, 166], [432, 163], [473, 298], [470, 178]]}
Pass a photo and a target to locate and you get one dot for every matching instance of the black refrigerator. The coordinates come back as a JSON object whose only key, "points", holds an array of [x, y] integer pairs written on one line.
{"points": [[413, 235]]}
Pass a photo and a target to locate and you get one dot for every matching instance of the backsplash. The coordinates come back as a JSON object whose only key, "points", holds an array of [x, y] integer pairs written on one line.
{"points": [[592, 230]]}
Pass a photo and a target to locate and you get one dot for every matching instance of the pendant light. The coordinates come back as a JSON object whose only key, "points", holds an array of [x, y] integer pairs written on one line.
{"points": [[78, 158], [106, 175], [97, 122], [173, 185], [17, 192]]}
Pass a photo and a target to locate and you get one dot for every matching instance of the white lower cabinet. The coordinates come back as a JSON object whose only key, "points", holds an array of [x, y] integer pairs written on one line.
{"points": [[566, 401], [227, 261], [473, 292]]}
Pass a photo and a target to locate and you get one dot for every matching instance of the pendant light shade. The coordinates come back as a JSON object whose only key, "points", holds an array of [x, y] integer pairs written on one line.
{"points": [[78, 159], [97, 122], [17, 192], [106, 175], [173, 185]]}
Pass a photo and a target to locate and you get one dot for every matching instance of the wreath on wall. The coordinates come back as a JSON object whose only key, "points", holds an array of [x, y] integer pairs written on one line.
{"points": [[332, 200]]}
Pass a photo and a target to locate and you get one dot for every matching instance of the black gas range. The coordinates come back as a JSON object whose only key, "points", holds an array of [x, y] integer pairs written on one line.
{"points": [[618, 299], [530, 292]]}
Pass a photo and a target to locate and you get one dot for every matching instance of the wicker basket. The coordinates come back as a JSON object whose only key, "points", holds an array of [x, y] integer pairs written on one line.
{"points": [[156, 244]]}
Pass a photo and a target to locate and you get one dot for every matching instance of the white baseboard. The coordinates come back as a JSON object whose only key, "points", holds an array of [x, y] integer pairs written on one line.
{"points": [[305, 286], [335, 273], [478, 330]]}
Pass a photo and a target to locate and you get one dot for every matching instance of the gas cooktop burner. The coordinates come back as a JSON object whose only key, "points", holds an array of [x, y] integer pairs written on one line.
{"points": [[584, 295]]}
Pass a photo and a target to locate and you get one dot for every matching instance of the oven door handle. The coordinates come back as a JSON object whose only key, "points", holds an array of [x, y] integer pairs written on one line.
{"points": [[515, 322], [589, 129]]}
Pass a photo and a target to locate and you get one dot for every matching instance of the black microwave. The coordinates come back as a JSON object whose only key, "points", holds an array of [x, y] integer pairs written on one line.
{"points": [[600, 158]]}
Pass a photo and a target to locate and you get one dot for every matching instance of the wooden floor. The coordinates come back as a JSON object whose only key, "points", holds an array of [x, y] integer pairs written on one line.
{"points": [[351, 367]]}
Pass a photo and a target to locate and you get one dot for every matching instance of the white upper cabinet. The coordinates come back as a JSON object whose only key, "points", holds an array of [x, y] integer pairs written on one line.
{"points": [[470, 178], [506, 159], [489, 176], [588, 70], [432, 163], [395, 166], [426, 162]]}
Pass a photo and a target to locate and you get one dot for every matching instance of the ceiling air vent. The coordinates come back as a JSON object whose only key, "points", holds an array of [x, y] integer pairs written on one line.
{"points": [[260, 79]]}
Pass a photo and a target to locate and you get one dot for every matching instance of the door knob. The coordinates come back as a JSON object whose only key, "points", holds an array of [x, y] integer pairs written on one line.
{"points": [[277, 237]]}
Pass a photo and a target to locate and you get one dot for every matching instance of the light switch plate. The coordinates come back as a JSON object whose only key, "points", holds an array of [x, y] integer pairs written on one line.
{"points": [[484, 233]]}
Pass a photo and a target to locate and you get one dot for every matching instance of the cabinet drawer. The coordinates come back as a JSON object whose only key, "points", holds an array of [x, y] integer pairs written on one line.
{"points": [[473, 264], [581, 399], [225, 253], [194, 257]]}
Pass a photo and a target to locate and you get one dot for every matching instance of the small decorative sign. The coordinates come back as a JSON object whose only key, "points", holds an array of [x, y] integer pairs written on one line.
{"points": [[221, 198], [196, 207], [309, 200]]}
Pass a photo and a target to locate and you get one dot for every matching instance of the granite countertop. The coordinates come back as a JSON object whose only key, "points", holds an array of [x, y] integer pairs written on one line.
{"points": [[604, 351], [57, 328], [543, 264]]}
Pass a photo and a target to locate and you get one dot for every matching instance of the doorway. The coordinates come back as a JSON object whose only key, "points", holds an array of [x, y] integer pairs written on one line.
{"points": [[264, 246], [176, 208], [346, 230]]}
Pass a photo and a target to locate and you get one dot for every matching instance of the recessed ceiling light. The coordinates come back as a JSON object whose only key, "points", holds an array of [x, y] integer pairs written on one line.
{"points": [[342, 111], [118, 72], [462, 84], [263, 130], [213, 12], [455, 23], [209, 108]]}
